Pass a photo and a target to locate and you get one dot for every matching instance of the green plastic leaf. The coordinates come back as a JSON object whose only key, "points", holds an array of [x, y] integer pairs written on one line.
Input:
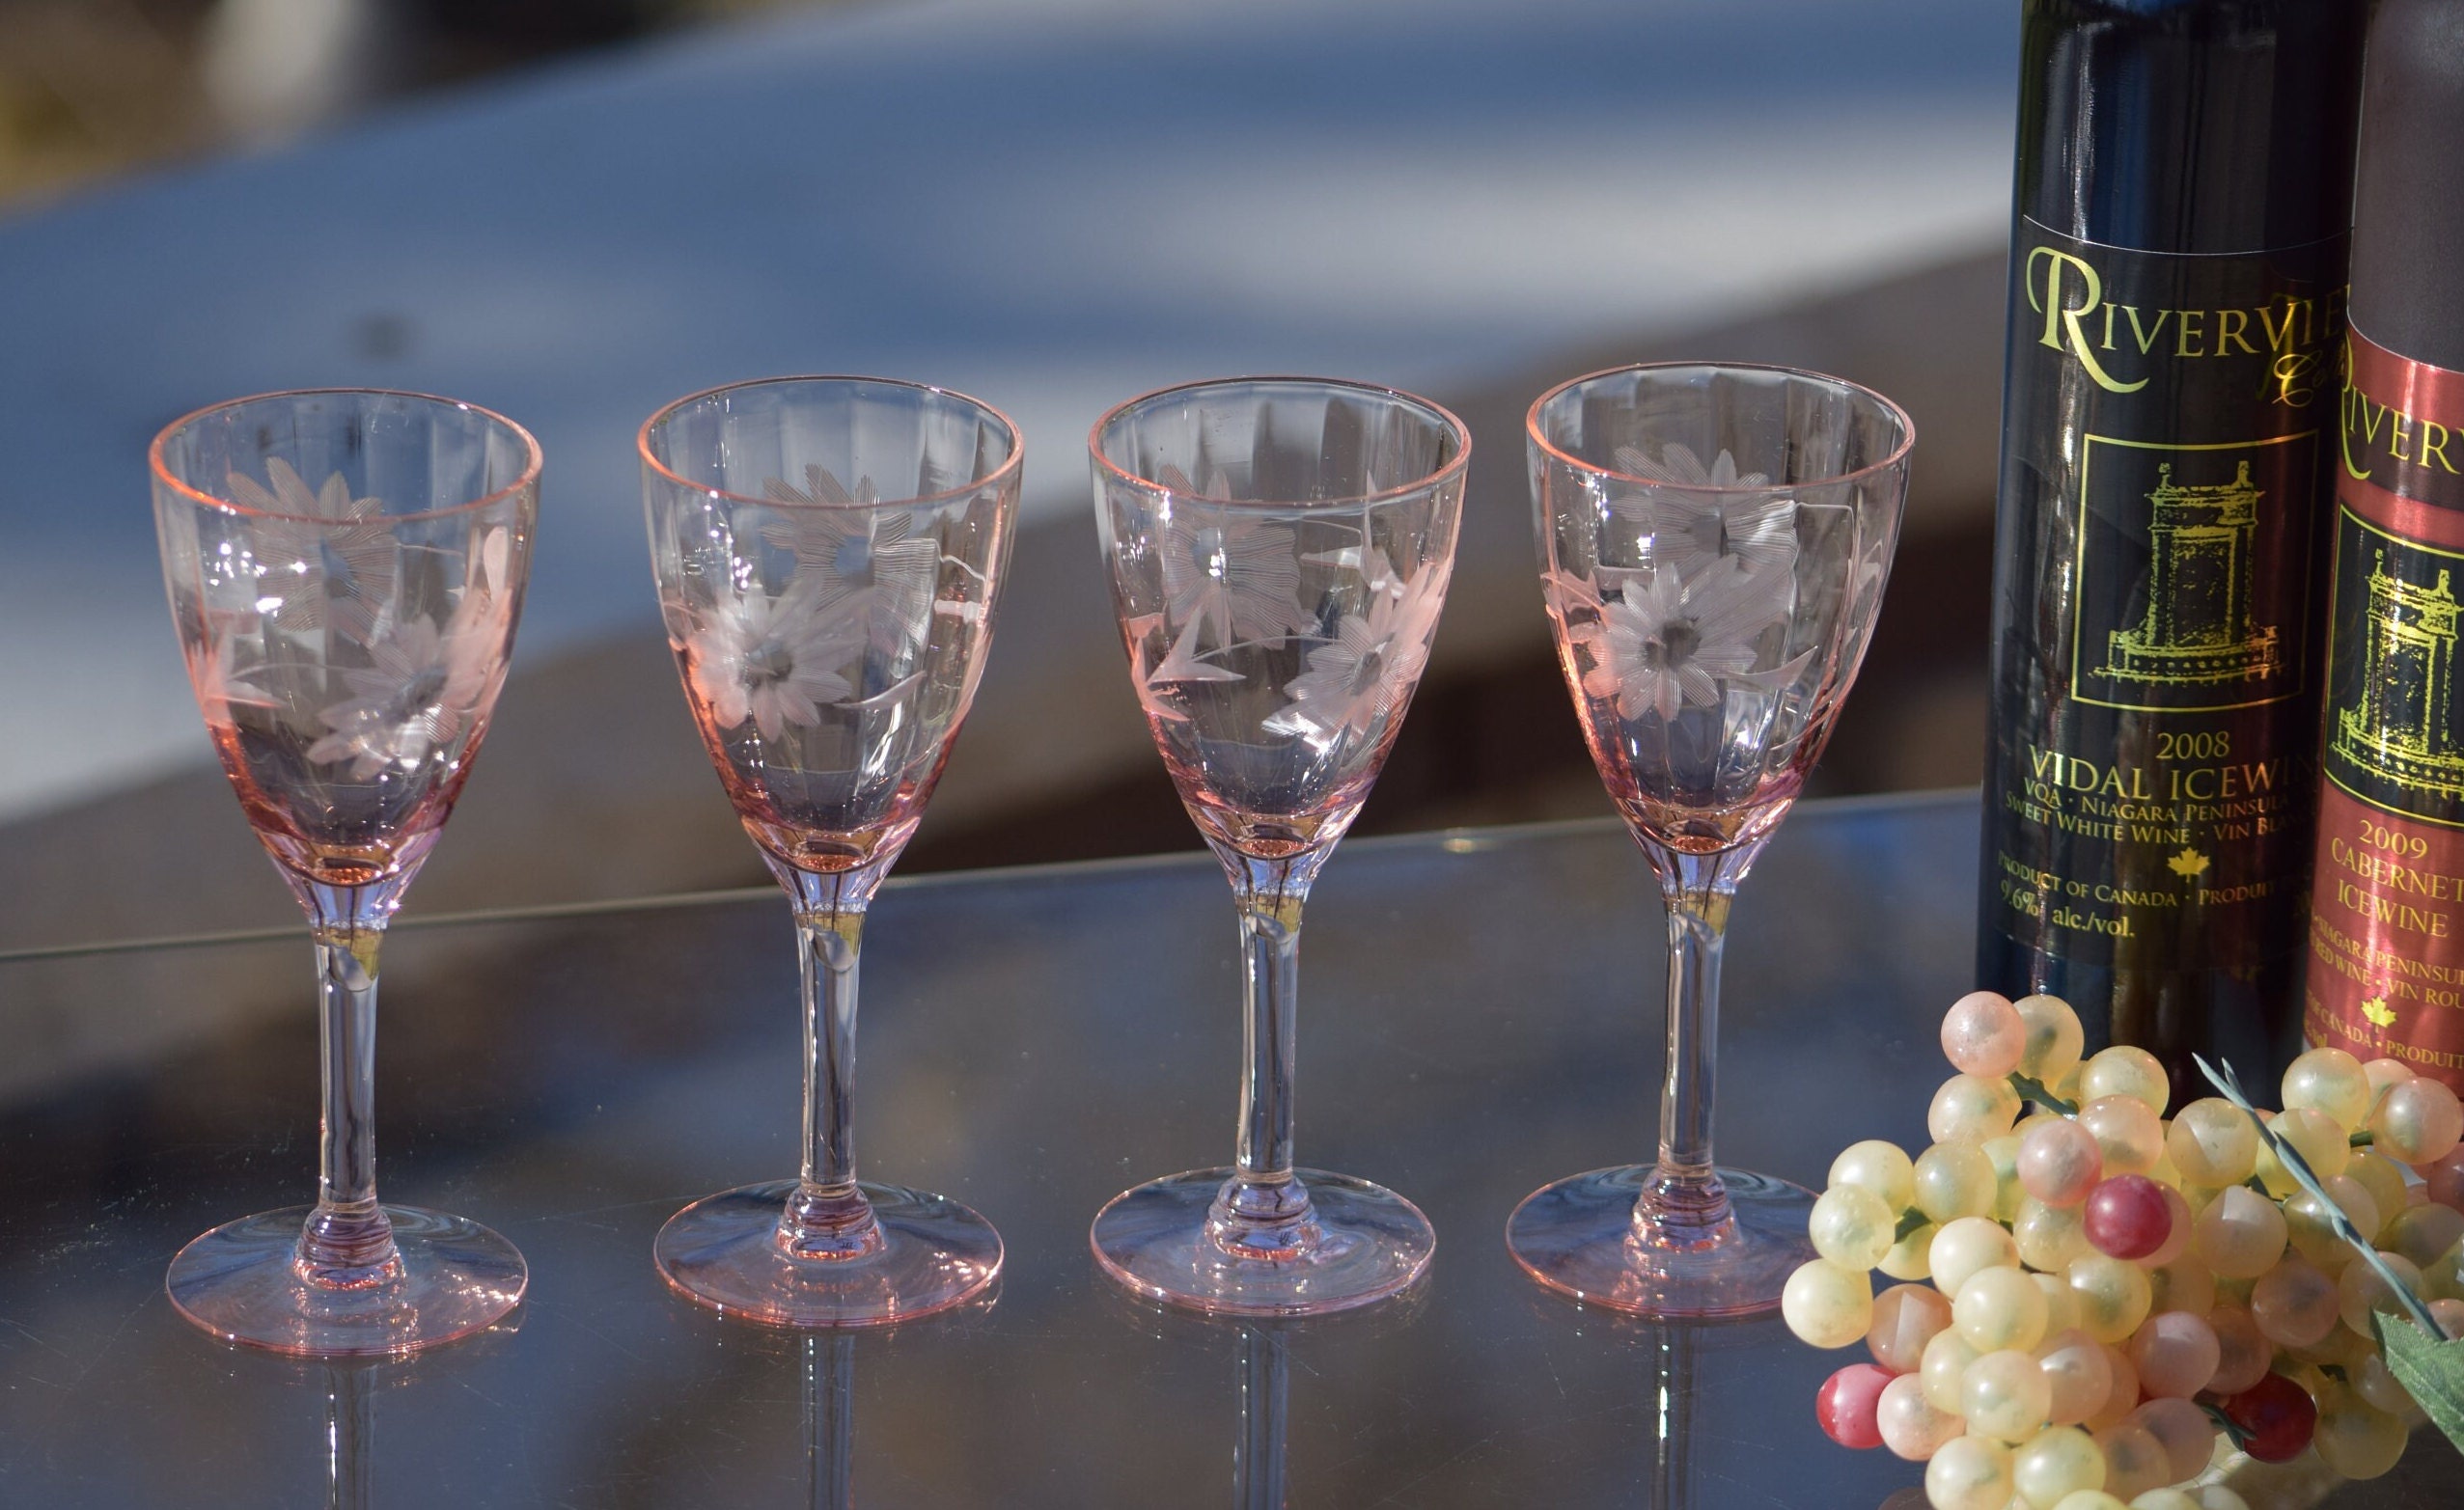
{"points": [[1911, 1223], [2430, 1370]]}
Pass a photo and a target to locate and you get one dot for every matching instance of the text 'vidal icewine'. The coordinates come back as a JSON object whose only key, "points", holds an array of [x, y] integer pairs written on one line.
{"points": [[2177, 301], [2387, 923]]}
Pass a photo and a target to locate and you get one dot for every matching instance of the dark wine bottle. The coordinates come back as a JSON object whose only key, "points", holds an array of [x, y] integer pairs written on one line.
{"points": [[2177, 299], [2387, 923]]}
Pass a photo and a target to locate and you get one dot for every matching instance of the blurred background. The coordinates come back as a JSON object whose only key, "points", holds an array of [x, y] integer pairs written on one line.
{"points": [[573, 210]]}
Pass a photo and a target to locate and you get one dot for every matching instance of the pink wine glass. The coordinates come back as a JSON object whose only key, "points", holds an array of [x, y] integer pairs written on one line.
{"points": [[1714, 543], [346, 569], [1279, 550], [828, 552]]}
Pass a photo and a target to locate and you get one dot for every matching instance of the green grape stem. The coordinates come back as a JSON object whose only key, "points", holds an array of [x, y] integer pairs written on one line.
{"points": [[1911, 1223], [2033, 1090], [2299, 1168]]}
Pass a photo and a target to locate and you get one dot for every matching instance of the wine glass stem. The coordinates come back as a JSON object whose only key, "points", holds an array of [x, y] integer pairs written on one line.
{"points": [[1683, 1200], [1698, 931], [828, 1217], [347, 1240], [1264, 1211]]}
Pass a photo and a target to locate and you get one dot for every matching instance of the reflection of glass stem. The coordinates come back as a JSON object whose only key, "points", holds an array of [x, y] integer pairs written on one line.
{"points": [[1258, 1453], [1683, 1204], [1672, 1354], [349, 1430], [829, 1418]]}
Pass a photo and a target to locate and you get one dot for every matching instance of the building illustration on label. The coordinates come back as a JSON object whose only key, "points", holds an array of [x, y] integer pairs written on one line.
{"points": [[2402, 728], [2199, 628]]}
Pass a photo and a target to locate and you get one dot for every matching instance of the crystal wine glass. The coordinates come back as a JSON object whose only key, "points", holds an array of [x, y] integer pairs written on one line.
{"points": [[345, 569], [1279, 550], [1714, 543], [828, 552]]}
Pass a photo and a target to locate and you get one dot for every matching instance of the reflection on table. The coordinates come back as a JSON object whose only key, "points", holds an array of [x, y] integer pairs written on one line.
{"points": [[1480, 1016]]}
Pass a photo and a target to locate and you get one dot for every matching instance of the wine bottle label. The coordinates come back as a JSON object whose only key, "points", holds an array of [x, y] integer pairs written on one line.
{"points": [[2387, 923], [2151, 774]]}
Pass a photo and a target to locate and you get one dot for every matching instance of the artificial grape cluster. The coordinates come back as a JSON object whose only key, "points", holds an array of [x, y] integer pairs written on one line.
{"points": [[2111, 1289]]}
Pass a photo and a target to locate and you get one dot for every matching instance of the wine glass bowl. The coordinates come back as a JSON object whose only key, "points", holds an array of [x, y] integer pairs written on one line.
{"points": [[346, 571], [1279, 551], [827, 553], [1714, 544]]}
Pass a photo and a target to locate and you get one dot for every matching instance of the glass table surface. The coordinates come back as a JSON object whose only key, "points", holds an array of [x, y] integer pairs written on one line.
{"points": [[1480, 1015]]}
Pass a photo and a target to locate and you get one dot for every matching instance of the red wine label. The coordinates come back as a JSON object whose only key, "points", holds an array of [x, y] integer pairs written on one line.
{"points": [[2387, 913], [2150, 779]]}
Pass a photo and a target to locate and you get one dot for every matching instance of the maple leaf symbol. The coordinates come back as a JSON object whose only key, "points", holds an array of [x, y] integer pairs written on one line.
{"points": [[2190, 864], [2378, 1011]]}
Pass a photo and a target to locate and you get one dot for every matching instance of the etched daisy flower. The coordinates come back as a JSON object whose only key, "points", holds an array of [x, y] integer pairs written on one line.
{"points": [[329, 549], [1240, 574], [1181, 665], [1359, 677], [1669, 641], [775, 661], [1680, 464], [220, 684], [422, 688], [1689, 530], [858, 554]]}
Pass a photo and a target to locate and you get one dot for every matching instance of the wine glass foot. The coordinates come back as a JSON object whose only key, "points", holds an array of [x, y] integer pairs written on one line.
{"points": [[722, 1252], [1370, 1244], [239, 1282], [1578, 1237]]}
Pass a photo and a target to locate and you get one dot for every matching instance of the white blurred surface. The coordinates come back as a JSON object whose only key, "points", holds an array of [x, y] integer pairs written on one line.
{"points": [[1050, 205]]}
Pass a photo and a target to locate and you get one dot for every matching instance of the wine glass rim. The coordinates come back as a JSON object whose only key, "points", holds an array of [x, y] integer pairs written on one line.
{"points": [[997, 477], [1461, 432], [1907, 427], [534, 460]]}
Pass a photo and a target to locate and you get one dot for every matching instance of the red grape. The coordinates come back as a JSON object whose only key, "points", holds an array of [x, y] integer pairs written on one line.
{"points": [[2278, 1416], [1845, 1403], [2127, 1217]]}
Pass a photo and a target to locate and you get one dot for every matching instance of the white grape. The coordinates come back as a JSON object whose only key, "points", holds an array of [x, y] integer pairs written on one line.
{"points": [[1851, 1227], [1969, 1473], [1826, 1305], [1966, 1245]]}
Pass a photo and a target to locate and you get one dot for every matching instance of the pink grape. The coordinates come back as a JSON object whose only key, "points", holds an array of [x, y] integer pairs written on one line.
{"points": [[2450, 1316], [1910, 1425], [2445, 1179], [1906, 1318], [2294, 1306], [2128, 1132], [2382, 1072], [2081, 1372], [2059, 1161], [1845, 1405], [2176, 1354], [2243, 1352], [2177, 1241], [2184, 1430], [2123, 1397], [2127, 1217], [2135, 1461], [2418, 1122], [1982, 1034]]}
